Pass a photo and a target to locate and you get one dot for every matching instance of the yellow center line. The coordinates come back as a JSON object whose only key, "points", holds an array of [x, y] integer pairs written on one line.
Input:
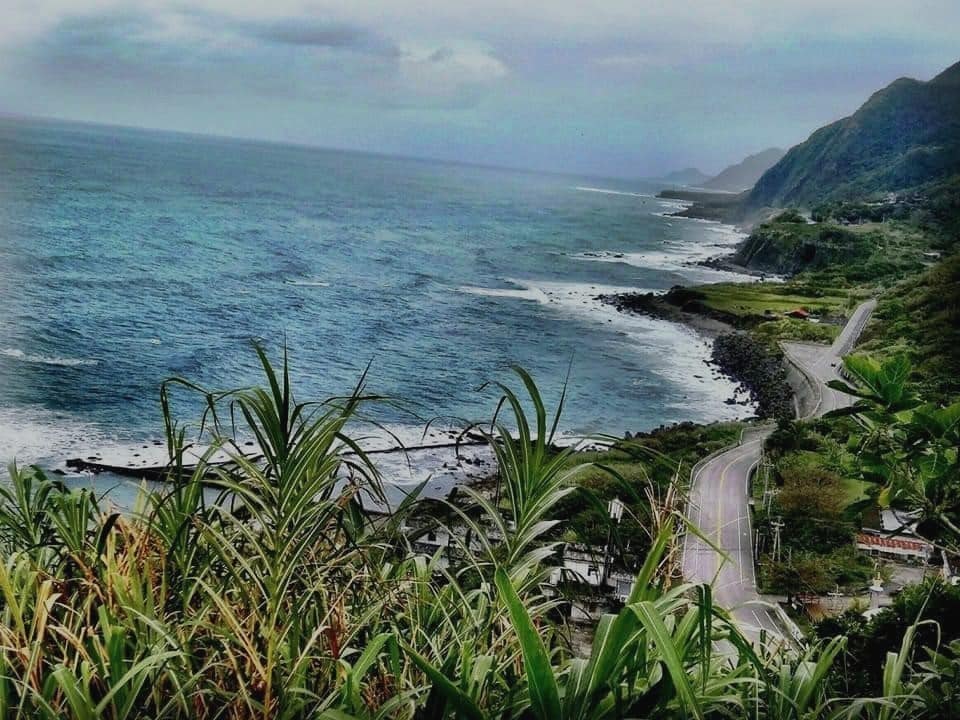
{"points": [[723, 477]]}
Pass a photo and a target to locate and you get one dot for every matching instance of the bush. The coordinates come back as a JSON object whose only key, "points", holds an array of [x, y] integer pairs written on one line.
{"points": [[790, 216]]}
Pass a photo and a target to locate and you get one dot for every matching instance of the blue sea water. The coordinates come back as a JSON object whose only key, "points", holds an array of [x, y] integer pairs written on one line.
{"points": [[130, 256]]}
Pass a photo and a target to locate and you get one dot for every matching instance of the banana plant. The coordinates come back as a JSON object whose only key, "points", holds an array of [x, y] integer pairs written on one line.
{"points": [[883, 386], [911, 449]]}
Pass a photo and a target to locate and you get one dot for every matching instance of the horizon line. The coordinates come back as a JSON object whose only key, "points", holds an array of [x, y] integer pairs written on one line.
{"points": [[13, 115]]}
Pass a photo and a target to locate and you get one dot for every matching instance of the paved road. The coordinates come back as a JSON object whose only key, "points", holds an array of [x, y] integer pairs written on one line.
{"points": [[823, 365], [719, 492]]}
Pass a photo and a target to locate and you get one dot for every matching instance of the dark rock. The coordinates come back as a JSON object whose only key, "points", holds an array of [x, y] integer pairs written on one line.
{"points": [[759, 371]]}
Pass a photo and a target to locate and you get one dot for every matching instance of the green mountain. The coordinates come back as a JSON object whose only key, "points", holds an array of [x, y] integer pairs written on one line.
{"points": [[905, 135], [745, 174]]}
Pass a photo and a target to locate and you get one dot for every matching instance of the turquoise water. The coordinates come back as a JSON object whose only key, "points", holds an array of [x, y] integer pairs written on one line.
{"points": [[130, 256]]}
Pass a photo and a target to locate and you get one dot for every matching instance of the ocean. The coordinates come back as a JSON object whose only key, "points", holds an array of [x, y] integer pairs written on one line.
{"points": [[130, 256]]}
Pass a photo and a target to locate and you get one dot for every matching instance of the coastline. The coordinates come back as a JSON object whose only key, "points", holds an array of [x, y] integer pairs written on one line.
{"points": [[759, 371], [661, 307], [443, 468], [704, 204]]}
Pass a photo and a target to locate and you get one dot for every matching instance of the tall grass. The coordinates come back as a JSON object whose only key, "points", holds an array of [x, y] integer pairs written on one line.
{"points": [[286, 598]]}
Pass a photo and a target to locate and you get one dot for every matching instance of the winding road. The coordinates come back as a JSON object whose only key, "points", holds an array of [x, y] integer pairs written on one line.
{"points": [[719, 491]]}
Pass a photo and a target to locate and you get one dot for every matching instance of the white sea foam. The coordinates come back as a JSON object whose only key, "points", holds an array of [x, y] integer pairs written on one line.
{"points": [[35, 435], [518, 293], [672, 206], [681, 256], [20, 355], [308, 283], [688, 352], [606, 191], [32, 434]]}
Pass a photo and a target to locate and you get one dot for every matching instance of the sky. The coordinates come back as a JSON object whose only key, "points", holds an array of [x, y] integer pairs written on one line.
{"points": [[626, 88]]}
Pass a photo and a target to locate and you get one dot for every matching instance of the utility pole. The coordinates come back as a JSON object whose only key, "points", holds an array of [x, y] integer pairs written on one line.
{"points": [[766, 469], [615, 511], [777, 526]]}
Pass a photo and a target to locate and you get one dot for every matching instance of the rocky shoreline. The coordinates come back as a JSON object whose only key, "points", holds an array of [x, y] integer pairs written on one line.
{"points": [[679, 304], [704, 204], [726, 264], [758, 370]]}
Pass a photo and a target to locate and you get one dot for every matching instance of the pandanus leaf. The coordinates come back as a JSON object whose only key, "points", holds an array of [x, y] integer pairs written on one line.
{"points": [[541, 681]]}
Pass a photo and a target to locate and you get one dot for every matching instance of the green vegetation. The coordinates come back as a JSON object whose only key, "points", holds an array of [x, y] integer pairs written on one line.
{"points": [[935, 602], [762, 308], [287, 599], [854, 490], [761, 300], [883, 188], [796, 330], [902, 453], [920, 318], [812, 494], [938, 210], [830, 255], [908, 447], [629, 470], [786, 247], [792, 215], [906, 135], [831, 269]]}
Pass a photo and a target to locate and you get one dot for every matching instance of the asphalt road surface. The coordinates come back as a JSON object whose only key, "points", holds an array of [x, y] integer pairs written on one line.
{"points": [[720, 488]]}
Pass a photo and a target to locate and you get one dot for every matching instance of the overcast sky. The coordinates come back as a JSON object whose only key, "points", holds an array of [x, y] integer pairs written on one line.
{"points": [[624, 87]]}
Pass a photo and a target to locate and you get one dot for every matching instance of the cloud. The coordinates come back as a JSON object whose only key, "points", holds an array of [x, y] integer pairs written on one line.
{"points": [[683, 23], [615, 85], [196, 51], [317, 34], [453, 75]]}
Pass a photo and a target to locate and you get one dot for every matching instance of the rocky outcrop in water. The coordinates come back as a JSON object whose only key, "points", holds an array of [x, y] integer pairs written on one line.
{"points": [[720, 207], [679, 304]]}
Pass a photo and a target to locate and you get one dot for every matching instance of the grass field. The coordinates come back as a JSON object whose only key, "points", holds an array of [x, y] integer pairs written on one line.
{"points": [[854, 489], [759, 299]]}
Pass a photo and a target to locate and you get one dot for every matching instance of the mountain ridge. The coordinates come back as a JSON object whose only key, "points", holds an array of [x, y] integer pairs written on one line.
{"points": [[744, 174], [690, 176], [905, 134]]}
